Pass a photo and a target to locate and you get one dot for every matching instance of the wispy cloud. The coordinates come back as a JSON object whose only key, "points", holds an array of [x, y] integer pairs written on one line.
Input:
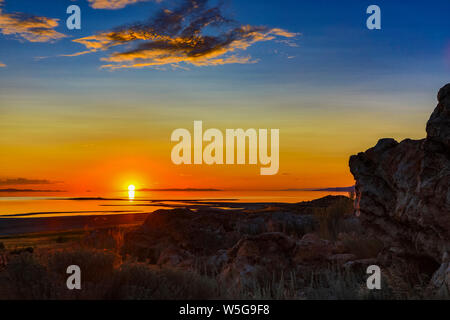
{"points": [[114, 4], [334, 189], [29, 27], [178, 36], [23, 181], [28, 190], [2, 65]]}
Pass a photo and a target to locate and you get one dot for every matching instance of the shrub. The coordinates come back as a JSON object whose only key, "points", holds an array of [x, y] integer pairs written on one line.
{"points": [[330, 218], [338, 284], [28, 278], [109, 238], [300, 226], [34, 276], [141, 281], [94, 264], [276, 288]]}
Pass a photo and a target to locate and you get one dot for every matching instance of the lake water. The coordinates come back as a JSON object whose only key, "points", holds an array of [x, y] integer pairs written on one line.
{"points": [[26, 206]]}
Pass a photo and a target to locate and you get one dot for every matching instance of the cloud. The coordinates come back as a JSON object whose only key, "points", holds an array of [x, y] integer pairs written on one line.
{"points": [[29, 27], [23, 181], [28, 190], [2, 65], [194, 33], [113, 4], [333, 189]]}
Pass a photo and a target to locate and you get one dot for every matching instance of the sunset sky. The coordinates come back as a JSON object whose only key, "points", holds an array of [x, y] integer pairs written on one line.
{"points": [[93, 109]]}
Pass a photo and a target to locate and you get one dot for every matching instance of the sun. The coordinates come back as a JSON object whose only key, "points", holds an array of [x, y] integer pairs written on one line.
{"points": [[131, 192]]}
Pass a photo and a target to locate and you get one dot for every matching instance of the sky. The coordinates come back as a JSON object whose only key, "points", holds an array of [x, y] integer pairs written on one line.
{"points": [[93, 109]]}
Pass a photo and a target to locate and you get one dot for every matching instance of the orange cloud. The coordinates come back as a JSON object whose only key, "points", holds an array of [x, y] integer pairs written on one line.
{"points": [[112, 4], [28, 27], [175, 37], [2, 65]]}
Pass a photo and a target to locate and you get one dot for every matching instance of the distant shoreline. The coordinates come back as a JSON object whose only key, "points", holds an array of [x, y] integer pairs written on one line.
{"points": [[19, 226], [14, 225]]}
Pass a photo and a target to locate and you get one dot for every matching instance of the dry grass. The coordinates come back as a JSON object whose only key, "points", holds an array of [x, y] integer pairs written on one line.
{"points": [[143, 281], [43, 276], [108, 238], [340, 284]]}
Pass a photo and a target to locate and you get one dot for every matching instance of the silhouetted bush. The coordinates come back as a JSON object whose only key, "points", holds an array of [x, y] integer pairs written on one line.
{"points": [[94, 264], [331, 218], [27, 278], [339, 284], [34, 276], [103, 277]]}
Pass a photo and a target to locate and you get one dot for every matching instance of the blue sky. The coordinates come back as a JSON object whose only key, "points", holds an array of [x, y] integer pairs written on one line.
{"points": [[334, 48], [336, 53]]}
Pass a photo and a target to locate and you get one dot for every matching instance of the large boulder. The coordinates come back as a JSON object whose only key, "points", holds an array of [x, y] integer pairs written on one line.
{"points": [[311, 249], [273, 255], [169, 237], [258, 258], [184, 232], [402, 189]]}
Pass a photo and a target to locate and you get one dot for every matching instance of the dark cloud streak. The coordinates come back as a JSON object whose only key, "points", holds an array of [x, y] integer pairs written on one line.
{"points": [[28, 190], [23, 181]]}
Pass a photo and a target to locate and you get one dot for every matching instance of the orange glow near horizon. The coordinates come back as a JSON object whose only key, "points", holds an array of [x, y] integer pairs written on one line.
{"points": [[314, 151]]}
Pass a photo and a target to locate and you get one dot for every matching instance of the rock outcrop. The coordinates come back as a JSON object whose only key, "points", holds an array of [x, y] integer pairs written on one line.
{"points": [[402, 190], [274, 254], [238, 246], [258, 257], [173, 237]]}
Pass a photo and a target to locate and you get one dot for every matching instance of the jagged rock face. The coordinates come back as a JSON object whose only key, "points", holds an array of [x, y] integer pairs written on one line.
{"points": [[172, 237], [274, 254], [403, 193], [258, 257]]}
